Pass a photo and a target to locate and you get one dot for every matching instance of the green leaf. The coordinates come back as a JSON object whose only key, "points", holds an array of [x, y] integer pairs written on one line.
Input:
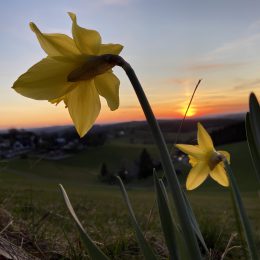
{"points": [[94, 252], [145, 247], [253, 132], [255, 117], [241, 213], [254, 152], [167, 221], [195, 223]]}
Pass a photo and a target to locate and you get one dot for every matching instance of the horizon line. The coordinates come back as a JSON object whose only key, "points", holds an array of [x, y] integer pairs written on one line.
{"points": [[237, 114]]}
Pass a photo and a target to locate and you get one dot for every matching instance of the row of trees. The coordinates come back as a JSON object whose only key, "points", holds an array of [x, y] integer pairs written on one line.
{"points": [[141, 169]]}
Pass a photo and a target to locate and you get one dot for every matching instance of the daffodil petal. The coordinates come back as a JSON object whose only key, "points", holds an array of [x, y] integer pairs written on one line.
{"points": [[204, 139], [197, 175], [193, 150], [193, 161], [56, 44], [56, 101], [107, 85], [47, 79], [87, 41], [226, 154], [84, 106], [219, 175], [110, 49]]}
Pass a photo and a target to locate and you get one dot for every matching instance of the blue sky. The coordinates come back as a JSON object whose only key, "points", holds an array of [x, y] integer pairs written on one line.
{"points": [[170, 44]]}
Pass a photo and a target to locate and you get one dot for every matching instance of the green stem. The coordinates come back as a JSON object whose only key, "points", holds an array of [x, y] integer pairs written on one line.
{"points": [[188, 232], [241, 212]]}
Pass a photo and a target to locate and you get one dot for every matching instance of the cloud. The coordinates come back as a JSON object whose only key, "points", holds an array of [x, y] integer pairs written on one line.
{"points": [[234, 47], [217, 97], [213, 66], [236, 53], [181, 81], [233, 54], [115, 2], [255, 26], [248, 85]]}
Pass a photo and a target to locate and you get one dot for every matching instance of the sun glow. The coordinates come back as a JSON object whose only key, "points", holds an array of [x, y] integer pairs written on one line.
{"points": [[191, 112]]}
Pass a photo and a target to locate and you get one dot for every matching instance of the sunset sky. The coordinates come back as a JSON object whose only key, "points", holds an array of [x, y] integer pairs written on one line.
{"points": [[170, 44]]}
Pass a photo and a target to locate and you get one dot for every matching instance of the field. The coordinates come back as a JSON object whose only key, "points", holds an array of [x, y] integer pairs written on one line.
{"points": [[29, 192]]}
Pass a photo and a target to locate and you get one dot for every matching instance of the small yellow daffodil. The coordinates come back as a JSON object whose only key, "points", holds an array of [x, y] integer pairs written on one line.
{"points": [[72, 74], [205, 161]]}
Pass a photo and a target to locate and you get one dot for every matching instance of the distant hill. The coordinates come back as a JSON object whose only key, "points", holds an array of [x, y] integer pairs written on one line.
{"points": [[223, 129]]}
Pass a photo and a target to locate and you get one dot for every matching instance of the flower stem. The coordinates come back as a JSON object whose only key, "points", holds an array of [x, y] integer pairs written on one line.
{"points": [[188, 232]]}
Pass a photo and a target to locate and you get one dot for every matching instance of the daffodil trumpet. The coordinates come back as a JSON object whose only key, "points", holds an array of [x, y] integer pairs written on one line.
{"points": [[94, 66]]}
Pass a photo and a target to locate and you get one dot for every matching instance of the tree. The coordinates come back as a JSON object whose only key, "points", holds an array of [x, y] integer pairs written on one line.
{"points": [[123, 174], [104, 174], [145, 165]]}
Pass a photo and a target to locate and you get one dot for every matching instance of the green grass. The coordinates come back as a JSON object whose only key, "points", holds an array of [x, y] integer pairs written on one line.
{"points": [[29, 192], [83, 168]]}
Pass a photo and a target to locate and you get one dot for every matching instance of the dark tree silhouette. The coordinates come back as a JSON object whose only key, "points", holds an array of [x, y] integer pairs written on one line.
{"points": [[145, 165], [105, 175], [103, 171]]}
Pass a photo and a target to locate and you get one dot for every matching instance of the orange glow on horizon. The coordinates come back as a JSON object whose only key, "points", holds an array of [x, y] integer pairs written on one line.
{"points": [[43, 116]]}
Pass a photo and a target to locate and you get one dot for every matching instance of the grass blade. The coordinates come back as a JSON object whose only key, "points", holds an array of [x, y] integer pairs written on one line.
{"points": [[240, 211], [93, 250], [145, 247], [254, 152], [185, 114], [167, 221]]}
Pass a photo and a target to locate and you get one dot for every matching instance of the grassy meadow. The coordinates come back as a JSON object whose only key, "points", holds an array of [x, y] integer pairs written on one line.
{"points": [[41, 225]]}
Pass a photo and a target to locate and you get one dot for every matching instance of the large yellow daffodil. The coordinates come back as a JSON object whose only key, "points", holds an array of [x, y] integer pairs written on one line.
{"points": [[205, 161], [55, 78]]}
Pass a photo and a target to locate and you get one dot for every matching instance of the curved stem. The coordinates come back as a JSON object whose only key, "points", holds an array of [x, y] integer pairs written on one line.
{"points": [[188, 232]]}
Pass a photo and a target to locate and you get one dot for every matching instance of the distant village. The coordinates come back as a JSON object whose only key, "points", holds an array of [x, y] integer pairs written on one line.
{"points": [[56, 143], [52, 145]]}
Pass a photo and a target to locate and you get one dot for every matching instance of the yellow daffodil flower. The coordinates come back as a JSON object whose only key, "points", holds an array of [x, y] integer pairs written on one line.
{"points": [[72, 74], [205, 161]]}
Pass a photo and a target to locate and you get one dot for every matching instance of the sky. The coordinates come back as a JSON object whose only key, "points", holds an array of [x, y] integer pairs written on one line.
{"points": [[170, 44]]}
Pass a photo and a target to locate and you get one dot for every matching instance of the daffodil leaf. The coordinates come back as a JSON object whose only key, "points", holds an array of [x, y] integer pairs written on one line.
{"points": [[169, 226], [93, 250], [254, 152], [145, 247], [253, 132], [240, 213], [195, 223], [255, 117]]}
